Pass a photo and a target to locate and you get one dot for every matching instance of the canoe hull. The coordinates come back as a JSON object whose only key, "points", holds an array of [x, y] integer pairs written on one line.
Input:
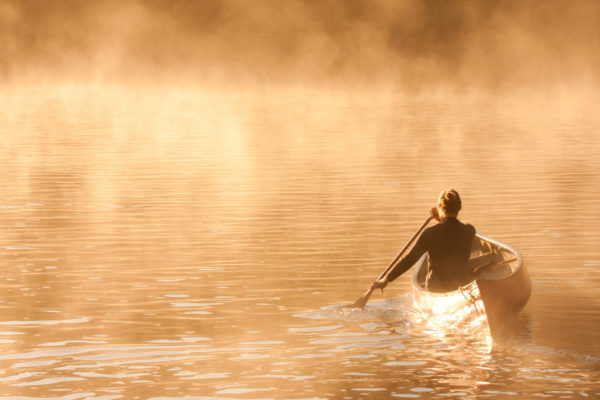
{"points": [[503, 299], [502, 281]]}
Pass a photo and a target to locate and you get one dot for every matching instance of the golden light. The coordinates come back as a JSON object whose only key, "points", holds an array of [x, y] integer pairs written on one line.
{"points": [[450, 313]]}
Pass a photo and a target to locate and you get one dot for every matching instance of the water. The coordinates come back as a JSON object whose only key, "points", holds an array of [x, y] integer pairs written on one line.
{"points": [[170, 244]]}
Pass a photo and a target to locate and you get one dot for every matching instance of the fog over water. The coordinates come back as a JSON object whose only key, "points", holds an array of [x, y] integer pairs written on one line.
{"points": [[191, 190], [409, 43]]}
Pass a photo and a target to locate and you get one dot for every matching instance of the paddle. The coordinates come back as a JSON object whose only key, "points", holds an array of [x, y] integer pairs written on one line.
{"points": [[361, 302]]}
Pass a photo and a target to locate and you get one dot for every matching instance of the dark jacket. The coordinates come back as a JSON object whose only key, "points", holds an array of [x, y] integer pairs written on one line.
{"points": [[449, 246]]}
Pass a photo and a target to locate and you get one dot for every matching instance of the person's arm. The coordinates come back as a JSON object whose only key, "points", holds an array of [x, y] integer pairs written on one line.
{"points": [[405, 263]]}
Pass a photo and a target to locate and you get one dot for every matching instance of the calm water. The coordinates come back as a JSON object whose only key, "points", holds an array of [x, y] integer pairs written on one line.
{"points": [[184, 244]]}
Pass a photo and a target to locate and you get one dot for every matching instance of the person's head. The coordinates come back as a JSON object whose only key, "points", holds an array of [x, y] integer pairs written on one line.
{"points": [[449, 203]]}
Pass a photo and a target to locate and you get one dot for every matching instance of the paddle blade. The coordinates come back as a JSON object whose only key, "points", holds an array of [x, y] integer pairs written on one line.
{"points": [[361, 302]]}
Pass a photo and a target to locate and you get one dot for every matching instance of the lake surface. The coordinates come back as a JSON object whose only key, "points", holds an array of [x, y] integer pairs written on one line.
{"points": [[171, 244]]}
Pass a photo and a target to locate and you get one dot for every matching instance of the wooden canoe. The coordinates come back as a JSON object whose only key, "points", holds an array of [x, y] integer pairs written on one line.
{"points": [[500, 281]]}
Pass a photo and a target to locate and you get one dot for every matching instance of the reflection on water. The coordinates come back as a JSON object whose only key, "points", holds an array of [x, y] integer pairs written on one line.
{"points": [[179, 244]]}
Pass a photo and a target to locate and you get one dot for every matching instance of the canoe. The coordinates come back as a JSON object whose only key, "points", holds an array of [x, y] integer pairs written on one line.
{"points": [[501, 285]]}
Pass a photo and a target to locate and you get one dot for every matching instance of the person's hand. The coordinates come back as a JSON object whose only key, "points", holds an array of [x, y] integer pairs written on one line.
{"points": [[435, 214], [379, 284]]}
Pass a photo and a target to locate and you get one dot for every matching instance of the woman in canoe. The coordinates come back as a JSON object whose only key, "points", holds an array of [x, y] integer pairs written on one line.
{"points": [[448, 244]]}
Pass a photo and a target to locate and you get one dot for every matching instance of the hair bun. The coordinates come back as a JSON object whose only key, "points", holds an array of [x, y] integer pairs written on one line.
{"points": [[450, 202]]}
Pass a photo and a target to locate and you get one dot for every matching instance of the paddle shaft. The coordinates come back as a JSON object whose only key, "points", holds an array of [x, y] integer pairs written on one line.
{"points": [[406, 246], [362, 300]]}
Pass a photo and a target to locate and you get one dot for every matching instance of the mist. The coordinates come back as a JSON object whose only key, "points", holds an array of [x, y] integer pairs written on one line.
{"points": [[409, 44]]}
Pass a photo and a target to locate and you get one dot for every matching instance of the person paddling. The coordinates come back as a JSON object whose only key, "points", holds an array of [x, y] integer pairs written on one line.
{"points": [[448, 244]]}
